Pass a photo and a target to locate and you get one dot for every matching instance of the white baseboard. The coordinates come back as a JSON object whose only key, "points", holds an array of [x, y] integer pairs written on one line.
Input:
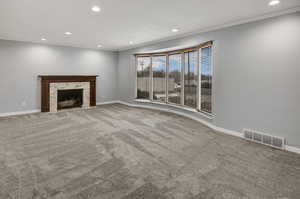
{"points": [[208, 124], [108, 102], [228, 132], [19, 113], [292, 149]]}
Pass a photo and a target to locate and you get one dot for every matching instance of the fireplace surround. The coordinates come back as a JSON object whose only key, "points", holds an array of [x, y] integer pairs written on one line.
{"points": [[51, 85]]}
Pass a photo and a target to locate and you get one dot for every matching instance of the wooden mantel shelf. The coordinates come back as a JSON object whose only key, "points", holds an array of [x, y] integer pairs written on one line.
{"points": [[47, 79], [67, 77]]}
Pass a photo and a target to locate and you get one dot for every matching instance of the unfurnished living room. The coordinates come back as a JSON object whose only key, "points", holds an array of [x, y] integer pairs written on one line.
{"points": [[148, 99]]}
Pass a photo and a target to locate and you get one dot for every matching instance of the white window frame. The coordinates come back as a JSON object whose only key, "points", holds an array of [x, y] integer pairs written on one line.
{"points": [[198, 69]]}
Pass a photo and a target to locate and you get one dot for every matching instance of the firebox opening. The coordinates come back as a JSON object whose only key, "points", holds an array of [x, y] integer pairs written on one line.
{"points": [[70, 98]]}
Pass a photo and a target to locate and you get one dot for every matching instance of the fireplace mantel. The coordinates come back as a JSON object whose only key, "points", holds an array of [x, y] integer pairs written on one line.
{"points": [[64, 78], [48, 79]]}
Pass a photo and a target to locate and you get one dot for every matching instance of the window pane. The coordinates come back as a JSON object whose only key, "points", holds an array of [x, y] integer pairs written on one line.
{"points": [[174, 79], [190, 79], [206, 80], [159, 78], [143, 77]]}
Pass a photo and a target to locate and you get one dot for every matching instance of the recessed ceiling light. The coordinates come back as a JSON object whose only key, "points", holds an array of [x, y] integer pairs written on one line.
{"points": [[68, 33], [274, 2], [96, 9], [131, 42], [175, 30], [43, 39], [99, 45]]}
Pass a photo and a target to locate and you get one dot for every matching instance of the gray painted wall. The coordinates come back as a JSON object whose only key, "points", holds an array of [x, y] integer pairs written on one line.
{"points": [[21, 63], [256, 75]]}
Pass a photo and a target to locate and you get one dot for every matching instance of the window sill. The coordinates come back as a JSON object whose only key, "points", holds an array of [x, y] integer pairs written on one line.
{"points": [[206, 115]]}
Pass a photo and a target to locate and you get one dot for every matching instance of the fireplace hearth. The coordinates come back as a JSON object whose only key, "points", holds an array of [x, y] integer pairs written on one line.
{"points": [[70, 98]]}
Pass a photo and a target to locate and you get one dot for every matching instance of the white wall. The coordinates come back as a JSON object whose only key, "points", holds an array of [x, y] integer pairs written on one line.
{"points": [[21, 63], [256, 75]]}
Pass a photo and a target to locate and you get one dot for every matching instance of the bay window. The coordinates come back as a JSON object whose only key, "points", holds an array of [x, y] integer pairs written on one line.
{"points": [[181, 77]]}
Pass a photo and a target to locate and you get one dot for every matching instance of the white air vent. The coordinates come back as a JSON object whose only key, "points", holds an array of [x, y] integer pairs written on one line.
{"points": [[265, 139]]}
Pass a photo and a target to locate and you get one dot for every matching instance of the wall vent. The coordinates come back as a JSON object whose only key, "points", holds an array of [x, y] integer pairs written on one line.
{"points": [[262, 138]]}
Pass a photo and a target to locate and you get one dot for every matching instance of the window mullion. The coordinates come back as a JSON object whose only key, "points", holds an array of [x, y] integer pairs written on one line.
{"points": [[136, 77], [199, 78], [166, 79], [151, 80], [182, 78]]}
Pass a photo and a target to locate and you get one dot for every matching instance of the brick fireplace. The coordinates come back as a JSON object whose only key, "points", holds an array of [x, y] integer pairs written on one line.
{"points": [[67, 91]]}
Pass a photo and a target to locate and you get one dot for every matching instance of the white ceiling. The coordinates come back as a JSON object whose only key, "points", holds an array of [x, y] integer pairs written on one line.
{"points": [[121, 21]]}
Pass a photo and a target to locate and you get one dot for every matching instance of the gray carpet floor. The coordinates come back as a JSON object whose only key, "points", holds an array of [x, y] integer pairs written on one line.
{"points": [[120, 152]]}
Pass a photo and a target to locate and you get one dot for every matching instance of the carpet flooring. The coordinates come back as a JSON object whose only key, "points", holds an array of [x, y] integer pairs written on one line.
{"points": [[120, 152]]}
